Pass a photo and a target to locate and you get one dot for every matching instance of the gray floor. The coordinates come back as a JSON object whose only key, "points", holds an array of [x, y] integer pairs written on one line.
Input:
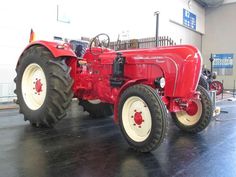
{"points": [[82, 146]]}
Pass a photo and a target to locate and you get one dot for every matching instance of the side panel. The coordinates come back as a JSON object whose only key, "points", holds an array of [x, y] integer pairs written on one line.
{"points": [[152, 67]]}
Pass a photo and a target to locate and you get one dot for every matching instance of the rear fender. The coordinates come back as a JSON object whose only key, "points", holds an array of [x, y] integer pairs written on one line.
{"points": [[57, 49], [123, 88]]}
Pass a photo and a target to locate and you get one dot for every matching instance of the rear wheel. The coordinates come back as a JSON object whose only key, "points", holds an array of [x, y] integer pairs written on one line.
{"points": [[198, 115], [143, 118], [43, 87], [96, 108]]}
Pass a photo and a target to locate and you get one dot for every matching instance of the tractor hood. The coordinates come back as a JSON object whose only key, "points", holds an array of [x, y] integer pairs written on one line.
{"points": [[181, 65]]}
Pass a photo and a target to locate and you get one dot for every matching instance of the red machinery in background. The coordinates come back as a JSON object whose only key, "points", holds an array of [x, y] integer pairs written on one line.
{"points": [[210, 81]]}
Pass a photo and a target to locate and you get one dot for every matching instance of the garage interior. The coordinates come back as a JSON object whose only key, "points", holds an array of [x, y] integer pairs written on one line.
{"points": [[80, 145]]}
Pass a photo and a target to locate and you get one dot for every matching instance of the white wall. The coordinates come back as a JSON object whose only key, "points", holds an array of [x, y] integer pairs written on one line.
{"points": [[176, 12], [171, 18], [220, 37], [17, 19], [13, 39], [137, 17], [91, 16]]}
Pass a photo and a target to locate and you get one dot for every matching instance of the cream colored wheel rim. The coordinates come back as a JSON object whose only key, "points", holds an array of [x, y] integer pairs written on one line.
{"points": [[136, 119], [34, 86], [188, 120]]}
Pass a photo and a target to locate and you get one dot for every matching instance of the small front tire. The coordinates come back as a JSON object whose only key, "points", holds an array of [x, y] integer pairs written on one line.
{"points": [[194, 121], [142, 117]]}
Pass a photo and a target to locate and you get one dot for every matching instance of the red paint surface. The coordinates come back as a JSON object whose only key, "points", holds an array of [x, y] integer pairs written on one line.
{"points": [[192, 108]]}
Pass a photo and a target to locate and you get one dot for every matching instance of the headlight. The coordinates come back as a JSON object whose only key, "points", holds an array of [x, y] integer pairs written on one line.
{"points": [[160, 82]]}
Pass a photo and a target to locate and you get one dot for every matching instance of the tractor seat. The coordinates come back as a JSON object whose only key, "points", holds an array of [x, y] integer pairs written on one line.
{"points": [[79, 47], [78, 50]]}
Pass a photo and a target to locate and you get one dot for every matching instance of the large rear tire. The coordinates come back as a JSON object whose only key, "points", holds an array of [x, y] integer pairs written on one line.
{"points": [[142, 117], [198, 118], [43, 87], [97, 109]]}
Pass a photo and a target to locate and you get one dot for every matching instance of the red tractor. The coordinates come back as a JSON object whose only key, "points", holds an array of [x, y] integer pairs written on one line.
{"points": [[137, 86]]}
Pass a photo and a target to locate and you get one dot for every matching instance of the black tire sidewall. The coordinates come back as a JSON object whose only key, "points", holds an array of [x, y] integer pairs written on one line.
{"points": [[157, 123], [26, 61]]}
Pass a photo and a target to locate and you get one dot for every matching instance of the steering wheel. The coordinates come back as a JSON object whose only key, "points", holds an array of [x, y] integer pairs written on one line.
{"points": [[99, 42]]}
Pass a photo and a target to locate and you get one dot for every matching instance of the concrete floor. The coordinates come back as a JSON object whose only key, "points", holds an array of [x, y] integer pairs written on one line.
{"points": [[82, 146]]}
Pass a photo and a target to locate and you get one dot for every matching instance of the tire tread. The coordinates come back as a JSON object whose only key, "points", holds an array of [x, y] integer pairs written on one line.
{"points": [[59, 85]]}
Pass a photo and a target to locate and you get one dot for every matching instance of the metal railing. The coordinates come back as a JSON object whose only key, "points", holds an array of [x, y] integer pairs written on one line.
{"points": [[141, 43]]}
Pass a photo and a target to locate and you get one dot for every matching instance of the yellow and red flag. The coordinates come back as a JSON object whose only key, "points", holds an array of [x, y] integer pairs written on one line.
{"points": [[32, 36]]}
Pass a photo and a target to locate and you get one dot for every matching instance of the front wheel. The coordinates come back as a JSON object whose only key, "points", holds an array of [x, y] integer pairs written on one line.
{"points": [[143, 118], [198, 115]]}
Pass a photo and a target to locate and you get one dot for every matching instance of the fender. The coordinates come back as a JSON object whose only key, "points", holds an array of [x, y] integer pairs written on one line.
{"points": [[123, 88], [57, 49]]}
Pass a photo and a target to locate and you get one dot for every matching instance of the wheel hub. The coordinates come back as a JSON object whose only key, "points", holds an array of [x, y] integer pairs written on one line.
{"points": [[192, 108], [38, 86], [138, 118], [191, 115]]}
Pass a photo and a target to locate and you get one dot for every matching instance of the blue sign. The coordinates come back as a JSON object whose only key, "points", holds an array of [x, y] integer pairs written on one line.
{"points": [[189, 19], [223, 60]]}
